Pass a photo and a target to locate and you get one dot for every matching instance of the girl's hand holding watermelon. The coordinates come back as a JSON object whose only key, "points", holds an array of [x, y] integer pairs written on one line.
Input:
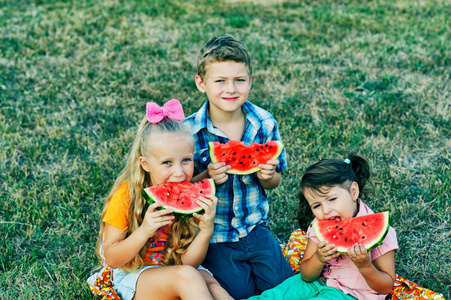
{"points": [[206, 220], [359, 256], [326, 252], [155, 219]]}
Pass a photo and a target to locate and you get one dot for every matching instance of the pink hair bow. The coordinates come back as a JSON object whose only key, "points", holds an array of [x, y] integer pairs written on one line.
{"points": [[171, 109]]}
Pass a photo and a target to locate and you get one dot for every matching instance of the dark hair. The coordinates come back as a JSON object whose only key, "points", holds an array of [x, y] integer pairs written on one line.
{"points": [[224, 48], [334, 172]]}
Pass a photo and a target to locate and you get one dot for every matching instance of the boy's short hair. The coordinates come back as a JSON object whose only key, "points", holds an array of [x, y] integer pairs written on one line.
{"points": [[224, 48]]}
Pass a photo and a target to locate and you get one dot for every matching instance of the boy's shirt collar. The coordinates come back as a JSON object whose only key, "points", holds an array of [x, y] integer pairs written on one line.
{"points": [[202, 121]]}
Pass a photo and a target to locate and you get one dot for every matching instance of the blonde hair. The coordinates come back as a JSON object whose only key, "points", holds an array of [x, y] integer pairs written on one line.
{"points": [[224, 48], [182, 230]]}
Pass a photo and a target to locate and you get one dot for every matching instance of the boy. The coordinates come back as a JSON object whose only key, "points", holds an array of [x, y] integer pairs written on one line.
{"points": [[243, 255]]}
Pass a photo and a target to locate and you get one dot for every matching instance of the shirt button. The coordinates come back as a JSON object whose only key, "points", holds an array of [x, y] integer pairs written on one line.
{"points": [[204, 159], [236, 207]]}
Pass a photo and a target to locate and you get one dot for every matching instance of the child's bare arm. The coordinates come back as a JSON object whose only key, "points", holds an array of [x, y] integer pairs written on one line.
{"points": [[380, 273], [196, 252], [119, 250], [268, 176], [315, 256]]}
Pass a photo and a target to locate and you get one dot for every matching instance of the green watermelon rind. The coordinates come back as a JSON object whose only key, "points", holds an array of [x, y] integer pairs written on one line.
{"points": [[370, 246], [250, 171], [151, 198]]}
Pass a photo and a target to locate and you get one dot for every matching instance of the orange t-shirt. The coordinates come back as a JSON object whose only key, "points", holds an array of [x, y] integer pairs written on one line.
{"points": [[116, 215]]}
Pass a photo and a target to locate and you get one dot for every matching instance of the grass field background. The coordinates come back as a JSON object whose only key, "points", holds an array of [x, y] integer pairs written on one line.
{"points": [[370, 76]]}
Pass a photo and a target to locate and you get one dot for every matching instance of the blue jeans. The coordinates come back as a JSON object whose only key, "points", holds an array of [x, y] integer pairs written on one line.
{"points": [[252, 265]]}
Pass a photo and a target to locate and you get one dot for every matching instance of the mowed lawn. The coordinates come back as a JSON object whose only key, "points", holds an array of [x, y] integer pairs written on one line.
{"points": [[369, 76]]}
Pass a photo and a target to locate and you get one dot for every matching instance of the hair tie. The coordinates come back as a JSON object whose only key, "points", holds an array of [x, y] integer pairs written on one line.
{"points": [[171, 109], [347, 161]]}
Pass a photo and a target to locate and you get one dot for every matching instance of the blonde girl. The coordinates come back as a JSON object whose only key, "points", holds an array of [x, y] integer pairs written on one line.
{"points": [[152, 254], [332, 188]]}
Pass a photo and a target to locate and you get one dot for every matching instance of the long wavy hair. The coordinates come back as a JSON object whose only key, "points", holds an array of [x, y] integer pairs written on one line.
{"points": [[183, 230]]}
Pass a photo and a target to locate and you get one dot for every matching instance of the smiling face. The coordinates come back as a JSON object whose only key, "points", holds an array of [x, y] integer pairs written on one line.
{"points": [[227, 85], [333, 202], [169, 159]]}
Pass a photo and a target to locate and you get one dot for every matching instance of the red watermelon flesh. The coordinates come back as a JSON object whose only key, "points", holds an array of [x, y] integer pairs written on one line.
{"points": [[369, 231], [180, 196], [244, 159]]}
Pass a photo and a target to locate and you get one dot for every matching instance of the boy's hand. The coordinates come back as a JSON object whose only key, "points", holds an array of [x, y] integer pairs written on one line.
{"points": [[359, 255], [267, 170], [206, 220], [155, 219], [217, 172], [326, 252]]}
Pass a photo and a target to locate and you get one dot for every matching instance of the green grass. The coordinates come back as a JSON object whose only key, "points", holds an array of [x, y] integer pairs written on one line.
{"points": [[372, 76]]}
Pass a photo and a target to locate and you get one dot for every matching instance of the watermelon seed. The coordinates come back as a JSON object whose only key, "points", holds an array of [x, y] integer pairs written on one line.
{"points": [[244, 156], [346, 239], [363, 237], [341, 228], [363, 224], [200, 192], [249, 156], [257, 149], [234, 153], [336, 226]]}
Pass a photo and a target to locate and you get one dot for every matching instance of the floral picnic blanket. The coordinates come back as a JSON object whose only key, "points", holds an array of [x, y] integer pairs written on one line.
{"points": [[403, 289]]}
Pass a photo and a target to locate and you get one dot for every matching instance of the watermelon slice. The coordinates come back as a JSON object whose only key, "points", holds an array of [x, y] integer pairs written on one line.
{"points": [[180, 196], [369, 231], [244, 159]]}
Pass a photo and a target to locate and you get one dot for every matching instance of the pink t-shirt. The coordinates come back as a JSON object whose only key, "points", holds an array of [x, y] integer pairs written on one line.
{"points": [[342, 274]]}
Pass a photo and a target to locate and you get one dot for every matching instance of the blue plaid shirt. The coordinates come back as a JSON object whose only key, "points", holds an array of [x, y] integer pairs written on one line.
{"points": [[243, 203]]}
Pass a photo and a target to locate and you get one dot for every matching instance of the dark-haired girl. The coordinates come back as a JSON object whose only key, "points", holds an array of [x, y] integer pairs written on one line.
{"points": [[331, 187]]}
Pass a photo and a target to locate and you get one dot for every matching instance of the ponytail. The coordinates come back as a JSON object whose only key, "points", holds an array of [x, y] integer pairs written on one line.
{"points": [[362, 173]]}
